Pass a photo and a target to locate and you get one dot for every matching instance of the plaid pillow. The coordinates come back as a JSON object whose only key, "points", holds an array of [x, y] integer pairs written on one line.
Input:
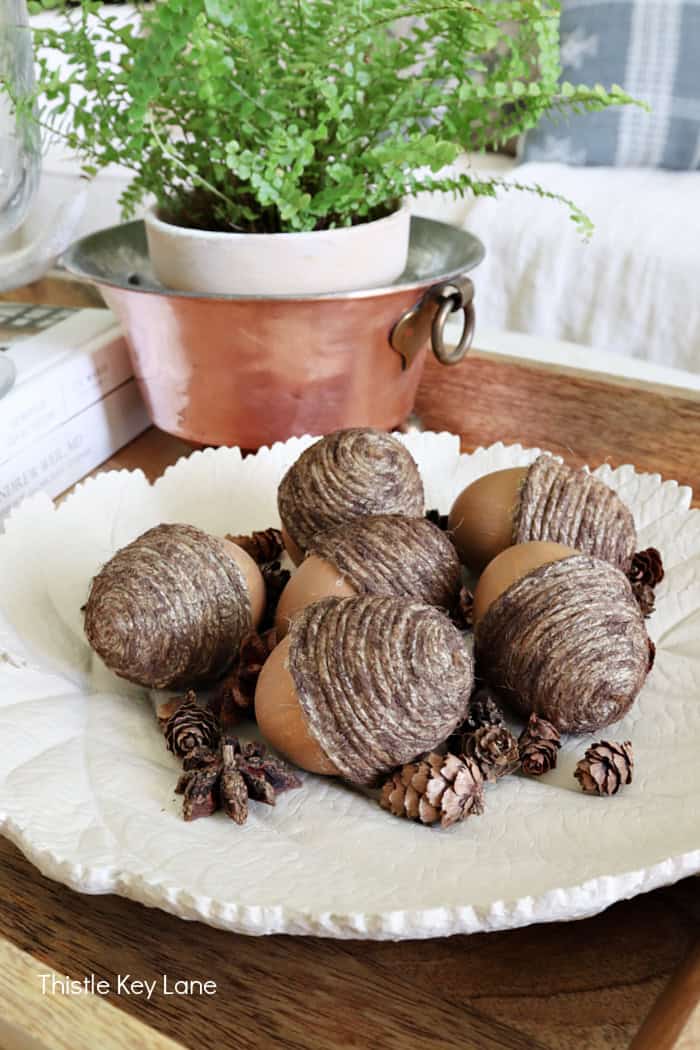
{"points": [[652, 49]]}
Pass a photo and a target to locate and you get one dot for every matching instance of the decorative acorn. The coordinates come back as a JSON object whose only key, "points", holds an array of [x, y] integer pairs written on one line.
{"points": [[362, 685], [562, 638], [382, 554], [171, 608], [345, 476], [546, 501]]}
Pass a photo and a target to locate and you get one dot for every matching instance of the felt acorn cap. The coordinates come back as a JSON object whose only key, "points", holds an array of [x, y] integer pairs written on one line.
{"points": [[568, 642], [379, 680], [345, 476], [393, 554], [170, 609], [572, 507]]}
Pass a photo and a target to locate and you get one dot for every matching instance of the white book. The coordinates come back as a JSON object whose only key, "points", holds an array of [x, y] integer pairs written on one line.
{"points": [[70, 451], [60, 371]]}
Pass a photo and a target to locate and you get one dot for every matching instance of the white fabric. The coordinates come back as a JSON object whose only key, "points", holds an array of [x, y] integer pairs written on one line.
{"points": [[633, 289]]}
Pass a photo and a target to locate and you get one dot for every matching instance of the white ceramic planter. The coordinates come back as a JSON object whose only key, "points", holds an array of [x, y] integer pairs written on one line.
{"points": [[269, 264]]}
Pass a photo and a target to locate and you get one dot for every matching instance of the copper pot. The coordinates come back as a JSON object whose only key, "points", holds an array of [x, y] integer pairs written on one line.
{"points": [[219, 370]]}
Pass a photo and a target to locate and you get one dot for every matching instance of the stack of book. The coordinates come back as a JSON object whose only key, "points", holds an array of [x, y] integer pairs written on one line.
{"points": [[74, 402]]}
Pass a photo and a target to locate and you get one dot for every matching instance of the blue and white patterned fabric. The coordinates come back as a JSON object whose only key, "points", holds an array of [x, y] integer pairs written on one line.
{"points": [[652, 49]]}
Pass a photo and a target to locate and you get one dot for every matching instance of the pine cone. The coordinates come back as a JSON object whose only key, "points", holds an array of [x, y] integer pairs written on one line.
{"points": [[538, 744], [436, 518], [191, 727], [276, 579], [605, 767], [438, 788], [235, 697], [463, 615], [495, 751], [263, 547], [646, 599], [483, 711], [647, 567]]}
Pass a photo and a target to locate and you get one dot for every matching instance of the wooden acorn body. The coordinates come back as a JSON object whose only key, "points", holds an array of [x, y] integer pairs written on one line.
{"points": [[171, 608], [547, 501], [345, 476], [568, 642], [378, 681], [386, 554]]}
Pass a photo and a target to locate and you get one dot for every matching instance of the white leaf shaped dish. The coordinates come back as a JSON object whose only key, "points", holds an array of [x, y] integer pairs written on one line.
{"points": [[86, 784]]}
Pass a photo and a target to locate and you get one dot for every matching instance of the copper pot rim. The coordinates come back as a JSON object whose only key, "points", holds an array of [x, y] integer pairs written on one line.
{"points": [[82, 260]]}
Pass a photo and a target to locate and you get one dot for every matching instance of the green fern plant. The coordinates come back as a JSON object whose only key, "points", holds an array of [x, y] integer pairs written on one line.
{"points": [[286, 115]]}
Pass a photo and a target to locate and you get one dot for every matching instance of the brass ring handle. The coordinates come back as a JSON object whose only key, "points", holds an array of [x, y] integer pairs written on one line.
{"points": [[425, 323], [452, 355]]}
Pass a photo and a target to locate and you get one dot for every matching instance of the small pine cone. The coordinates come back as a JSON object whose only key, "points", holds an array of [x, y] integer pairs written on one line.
{"points": [[652, 654], [495, 751], [255, 649], [647, 567], [463, 615], [484, 710], [276, 579], [436, 518], [644, 593], [437, 788], [605, 767], [263, 547], [234, 699], [191, 727], [539, 743]]}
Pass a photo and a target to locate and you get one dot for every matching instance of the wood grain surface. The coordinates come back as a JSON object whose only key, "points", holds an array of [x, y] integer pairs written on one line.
{"points": [[31, 1019], [674, 1022], [587, 985], [582, 418], [560, 987]]}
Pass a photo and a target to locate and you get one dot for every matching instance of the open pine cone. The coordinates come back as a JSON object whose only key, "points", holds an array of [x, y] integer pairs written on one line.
{"points": [[234, 699], [647, 567], [441, 788], [484, 710], [275, 579], [605, 767], [264, 546], [495, 751], [646, 599], [463, 614], [539, 743]]}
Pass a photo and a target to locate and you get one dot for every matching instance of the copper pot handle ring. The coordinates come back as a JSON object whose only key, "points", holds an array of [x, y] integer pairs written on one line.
{"points": [[423, 322]]}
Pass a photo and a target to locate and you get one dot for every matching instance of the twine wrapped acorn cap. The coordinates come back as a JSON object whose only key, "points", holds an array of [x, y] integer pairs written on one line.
{"points": [[394, 554], [170, 609], [345, 476], [568, 642], [380, 680], [572, 507]]}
